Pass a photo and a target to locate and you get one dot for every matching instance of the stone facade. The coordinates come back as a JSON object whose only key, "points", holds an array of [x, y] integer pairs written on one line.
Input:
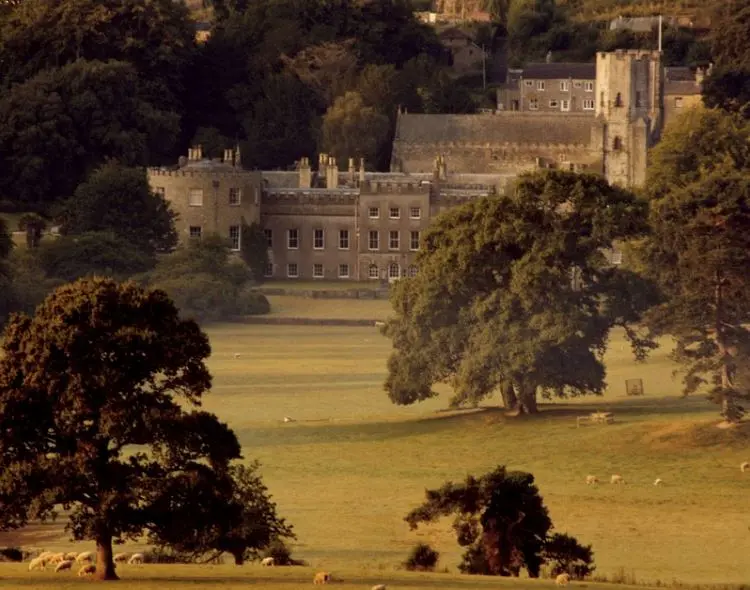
{"points": [[549, 87]]}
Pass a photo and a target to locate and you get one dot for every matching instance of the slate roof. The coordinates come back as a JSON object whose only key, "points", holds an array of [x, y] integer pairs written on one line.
{"points": [[562, 71]]}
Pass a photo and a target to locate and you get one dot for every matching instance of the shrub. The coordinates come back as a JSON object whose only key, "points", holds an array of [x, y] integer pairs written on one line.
{"points": [[422, 558], [161, 555], [251, 302], [11, 554], [566, 555], [281, 554]]}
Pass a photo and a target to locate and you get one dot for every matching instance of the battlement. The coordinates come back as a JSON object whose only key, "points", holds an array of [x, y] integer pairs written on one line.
{"points": [[216, 172], [632, 54]]}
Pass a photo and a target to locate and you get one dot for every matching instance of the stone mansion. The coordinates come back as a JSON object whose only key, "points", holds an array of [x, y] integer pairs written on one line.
{"points": [[323, 222]]}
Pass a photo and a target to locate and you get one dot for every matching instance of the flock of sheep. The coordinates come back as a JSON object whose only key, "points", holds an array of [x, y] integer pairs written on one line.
{"points": [[618, 479], [66, 561]]}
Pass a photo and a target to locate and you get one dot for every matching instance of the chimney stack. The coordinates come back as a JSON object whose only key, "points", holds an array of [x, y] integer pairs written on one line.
{"points": [[332, 173], [351, 171], [305, 173], [229, 156], [361, 171]]}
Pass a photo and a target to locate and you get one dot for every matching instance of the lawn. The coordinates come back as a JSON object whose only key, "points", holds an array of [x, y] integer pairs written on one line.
{"points": [[305, 307], [351, 465]]}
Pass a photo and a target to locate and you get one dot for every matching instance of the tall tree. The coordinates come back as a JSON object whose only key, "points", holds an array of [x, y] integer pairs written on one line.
{"points": [[60, 125], [119, 200], [103, 373], [698, 252], [6, 294], [515, 293], [730, 33], [254, 250]]}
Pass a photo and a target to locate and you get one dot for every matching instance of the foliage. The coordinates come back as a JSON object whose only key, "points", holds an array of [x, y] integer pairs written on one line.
{"points": [[500, 517], [60, 125], [6, 241], [728, 88], [352, 130], [422, 558], [102, 367], [567, 555], [28, 284], [33, 224], [280, 552], [92, 253], [119, 200], [514, 293], [11, 554], [254, 250], [730, 41]]}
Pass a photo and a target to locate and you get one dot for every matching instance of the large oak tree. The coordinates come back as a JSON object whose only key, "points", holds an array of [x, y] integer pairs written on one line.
{"points": [[98, 392], [515, 293]]}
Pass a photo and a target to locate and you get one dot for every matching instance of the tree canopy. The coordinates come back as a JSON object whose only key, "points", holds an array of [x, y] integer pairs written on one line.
{"points": [[514, 292], [98, 392]]}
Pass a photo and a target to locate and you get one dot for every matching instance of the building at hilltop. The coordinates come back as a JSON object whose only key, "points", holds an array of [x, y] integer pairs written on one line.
{"points": [[319, 222], [601, 117]]}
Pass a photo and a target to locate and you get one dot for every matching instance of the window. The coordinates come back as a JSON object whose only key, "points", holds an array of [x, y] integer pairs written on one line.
{"points": [[374, 240], [318, 239], [235, 237], [415, 212], [529, 83], [588, 86], [565, 105], [394, 270], [292, 239], [616, 257], [268, 272], [601, 99], [374, 212], [291, 270], [414, 241], [393, 240], [394, 213], [343, 239], [618, 100], [564, 86], [533, 104], [195, 232], [540, 85], [588, 104], [638, 98], [343, 271], [678, 102], [372, 272], [317, 271], [160, 190], [553, 104], [235, 196], [577, 84], [617, 143], [412, 271], [195, 197], [269, 237]]}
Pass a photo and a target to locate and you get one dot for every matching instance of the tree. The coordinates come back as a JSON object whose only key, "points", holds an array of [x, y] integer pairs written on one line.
{"points": [[6, 246], [210, 515], [568, 556], [33, 224], [96, 391], [352, 130], [514, 293], [730, 39], [119, 200], [728, 88], [6, 241], [254, 250], [59, 126], [500, 517]]}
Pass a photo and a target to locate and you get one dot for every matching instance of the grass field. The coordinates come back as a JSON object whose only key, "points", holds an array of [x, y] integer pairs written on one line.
{"points": [[352, 464]]}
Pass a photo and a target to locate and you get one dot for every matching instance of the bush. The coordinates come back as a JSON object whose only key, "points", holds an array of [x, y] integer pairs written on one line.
{"points": [[159, 555], [251, 302], [566, 555], [11, 554], [281, 554], [422, 558]]}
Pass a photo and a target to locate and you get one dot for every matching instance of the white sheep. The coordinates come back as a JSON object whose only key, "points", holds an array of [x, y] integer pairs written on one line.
{"points": [[85, 556], [378, 587], [237, 355], [121, 557], [745, 466], [322, 578], [268, 561], [617, 479], [56, 558], [562, 579], [64, 565], [591, 479], [288, 419], [71, 556], [87, 570], [659, 481], [38, 563], [136, 558]]}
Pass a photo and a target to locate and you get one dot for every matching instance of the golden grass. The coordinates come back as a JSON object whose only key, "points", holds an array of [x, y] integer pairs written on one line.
{"points": [[352, 464], [305, 307]]}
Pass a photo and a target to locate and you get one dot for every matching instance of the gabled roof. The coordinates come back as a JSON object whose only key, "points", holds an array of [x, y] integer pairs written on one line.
{"points": [[562, 71]]}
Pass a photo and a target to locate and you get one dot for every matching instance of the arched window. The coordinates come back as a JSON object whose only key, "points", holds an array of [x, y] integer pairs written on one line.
{"points": [[617, 143], [618, 100], [413, 270], [372, 272], [394, 271]]}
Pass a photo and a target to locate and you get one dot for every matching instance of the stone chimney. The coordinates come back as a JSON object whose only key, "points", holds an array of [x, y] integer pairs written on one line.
{"points": [[332, 173], [361, 171], [195, 153], [305, 173], [351, 171], [443, 168], [229, 156]]}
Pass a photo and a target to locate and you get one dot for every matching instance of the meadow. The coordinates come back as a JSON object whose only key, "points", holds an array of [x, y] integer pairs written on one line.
{"points": [[352, 464]]}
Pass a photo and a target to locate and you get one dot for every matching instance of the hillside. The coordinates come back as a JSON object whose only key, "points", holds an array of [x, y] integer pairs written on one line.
{"points": [[609, 9]]}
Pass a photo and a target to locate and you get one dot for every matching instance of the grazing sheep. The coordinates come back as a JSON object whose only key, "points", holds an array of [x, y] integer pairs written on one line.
{"points": [[745, 466], [236, 355], [322, 578], [616, 479], [288, 419], [121, 557], [268, 561], [659, 481], [45, 555], [562, 580], [64, 565], [86, 556], [38, 563], [71, 556], [56, 558], [378, 587], [136, 558], [591, 479], [87, 570]]}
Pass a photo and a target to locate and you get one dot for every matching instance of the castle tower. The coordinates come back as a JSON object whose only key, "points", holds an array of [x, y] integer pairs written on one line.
{"points": [[629, 102]]}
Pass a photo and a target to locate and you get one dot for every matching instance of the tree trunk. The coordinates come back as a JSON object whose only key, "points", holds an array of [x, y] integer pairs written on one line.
{"points": [[105, 567], [239, 558], [728, 410], [510, 401], [527, 398]]}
